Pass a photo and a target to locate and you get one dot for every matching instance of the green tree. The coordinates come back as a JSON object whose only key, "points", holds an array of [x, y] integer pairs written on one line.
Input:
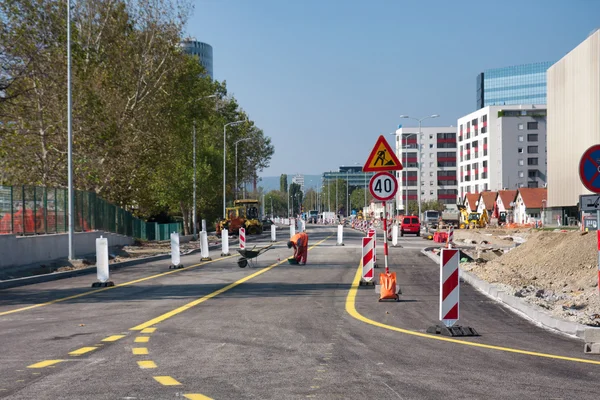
{"points": [[357, 199], [283, 183], [296, 198]]}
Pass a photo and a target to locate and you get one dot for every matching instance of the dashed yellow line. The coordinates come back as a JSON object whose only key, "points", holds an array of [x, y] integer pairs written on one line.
{"points": [[166, 381], [90, 292], [351, 309], [44, 364], [196, 396], [146, 364], [142, 339], [148, 330], [139, 351], [113, 338], [82, 350], [201, 300]]}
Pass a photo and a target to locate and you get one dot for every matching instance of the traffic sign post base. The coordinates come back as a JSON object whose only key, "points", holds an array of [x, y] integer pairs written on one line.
{"points": [[453, 331], [103, 284], [365, 283]]}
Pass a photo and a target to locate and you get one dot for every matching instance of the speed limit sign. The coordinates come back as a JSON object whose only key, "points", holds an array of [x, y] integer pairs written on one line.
{"points": [[383, 186]]}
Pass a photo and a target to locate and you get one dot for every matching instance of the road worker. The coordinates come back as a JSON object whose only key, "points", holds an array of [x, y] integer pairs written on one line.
{"points": [[300, 244]]}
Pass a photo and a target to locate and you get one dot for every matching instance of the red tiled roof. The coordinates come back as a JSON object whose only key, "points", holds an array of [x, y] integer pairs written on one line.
{"points": [[532, 197], [472, 199], [507, 197], [488, 199]]}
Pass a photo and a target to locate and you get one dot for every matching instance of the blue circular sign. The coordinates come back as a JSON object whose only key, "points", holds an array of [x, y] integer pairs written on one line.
{"points": [[589, 169]]}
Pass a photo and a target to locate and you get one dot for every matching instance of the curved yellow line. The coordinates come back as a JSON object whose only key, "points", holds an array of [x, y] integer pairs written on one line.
{"points": [[351, 309]]}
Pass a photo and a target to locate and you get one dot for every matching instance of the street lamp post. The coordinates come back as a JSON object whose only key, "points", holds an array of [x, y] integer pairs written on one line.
{"points": [[69, 139], [419, 155], [347, 198], [236, 164], [225, 160]]}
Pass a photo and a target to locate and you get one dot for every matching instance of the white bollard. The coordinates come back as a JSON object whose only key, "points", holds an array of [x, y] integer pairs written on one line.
{"points": [[204, 244], [273, 233], [225, 243], [175, 255], [102, 271], [340, 236], [204, 225], [395, 235], [292, 230]]}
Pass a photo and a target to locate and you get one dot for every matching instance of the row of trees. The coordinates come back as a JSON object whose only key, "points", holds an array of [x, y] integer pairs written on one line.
{"points": [[137, 100], [327, 198]]}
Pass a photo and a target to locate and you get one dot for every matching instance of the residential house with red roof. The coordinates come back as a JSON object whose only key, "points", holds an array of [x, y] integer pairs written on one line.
{"points": [[503, 206], [528, 204], [486, 202]]}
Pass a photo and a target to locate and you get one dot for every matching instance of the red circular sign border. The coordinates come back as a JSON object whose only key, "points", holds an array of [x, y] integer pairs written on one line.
{"points": [[586, 154], [371, 186]]}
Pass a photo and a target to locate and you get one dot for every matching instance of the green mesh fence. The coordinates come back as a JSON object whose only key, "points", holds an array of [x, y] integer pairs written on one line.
{"points": [[33, 210]]}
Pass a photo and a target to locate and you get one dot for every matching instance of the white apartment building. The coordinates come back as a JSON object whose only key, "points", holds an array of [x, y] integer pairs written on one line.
{"points": [[299, 180], [502, 148], [437, 160]]}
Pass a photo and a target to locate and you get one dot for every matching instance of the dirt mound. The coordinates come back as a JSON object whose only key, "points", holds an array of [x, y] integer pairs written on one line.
{"points": [[555, 270]]}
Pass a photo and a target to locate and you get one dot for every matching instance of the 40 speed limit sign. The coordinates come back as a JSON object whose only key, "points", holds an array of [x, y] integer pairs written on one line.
{"points": [[383, 186]]}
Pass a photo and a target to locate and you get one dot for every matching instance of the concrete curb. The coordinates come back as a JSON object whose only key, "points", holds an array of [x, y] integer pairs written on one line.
{"points": [[30, 280], [517, 305]]}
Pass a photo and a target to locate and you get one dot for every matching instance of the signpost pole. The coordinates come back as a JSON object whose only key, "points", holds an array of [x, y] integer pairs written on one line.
{"points": [[598, 233], [385, 238]]}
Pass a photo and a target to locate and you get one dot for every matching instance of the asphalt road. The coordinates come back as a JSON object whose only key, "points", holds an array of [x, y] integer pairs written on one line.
{"points": [[276, 331]]}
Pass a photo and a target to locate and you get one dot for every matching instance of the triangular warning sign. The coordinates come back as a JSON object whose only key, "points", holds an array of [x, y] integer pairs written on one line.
{"points": [[382, 158]]}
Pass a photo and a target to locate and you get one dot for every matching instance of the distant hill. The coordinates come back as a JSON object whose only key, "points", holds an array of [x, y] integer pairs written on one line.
{"points": [[272, 182]]}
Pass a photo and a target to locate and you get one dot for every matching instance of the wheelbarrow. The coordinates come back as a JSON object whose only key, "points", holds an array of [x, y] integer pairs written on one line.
{"points": [[248, 255]]}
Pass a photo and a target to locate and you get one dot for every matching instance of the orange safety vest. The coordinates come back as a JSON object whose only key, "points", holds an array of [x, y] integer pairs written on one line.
{"points": [[300, 239]]}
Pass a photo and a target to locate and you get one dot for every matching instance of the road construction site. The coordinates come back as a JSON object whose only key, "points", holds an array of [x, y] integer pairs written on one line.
{"points": [[214, 330]]}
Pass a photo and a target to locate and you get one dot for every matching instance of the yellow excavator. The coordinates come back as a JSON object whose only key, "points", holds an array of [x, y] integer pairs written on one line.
{"points": [[244, 213], [478, 220]]}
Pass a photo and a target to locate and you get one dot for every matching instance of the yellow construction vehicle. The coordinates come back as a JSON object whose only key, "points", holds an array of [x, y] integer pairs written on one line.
{"points": [[244, 213], [464, 217], [478, 220]]}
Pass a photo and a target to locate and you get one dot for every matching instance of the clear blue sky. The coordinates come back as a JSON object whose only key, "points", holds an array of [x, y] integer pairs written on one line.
{"points": [[324, 78]]}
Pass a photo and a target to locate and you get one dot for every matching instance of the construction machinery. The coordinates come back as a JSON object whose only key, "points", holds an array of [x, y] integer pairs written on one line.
{"points": [[451, 216], [244, 213], [478, 220]]}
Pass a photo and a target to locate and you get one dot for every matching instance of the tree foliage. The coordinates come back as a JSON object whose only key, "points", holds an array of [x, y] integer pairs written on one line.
{"points": [[283, 183], [136, 101]]}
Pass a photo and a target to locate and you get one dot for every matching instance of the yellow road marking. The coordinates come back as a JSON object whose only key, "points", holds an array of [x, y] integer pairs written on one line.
{"points": [[44, 364], [109, 287], [315, 387], [146, 364], [194, 303], [148, 330], [166, 381], [139, 351], [196, 396], [21, 380], [36, 373], [82, 350], [351, 309], [142, 339], [113, 338]]}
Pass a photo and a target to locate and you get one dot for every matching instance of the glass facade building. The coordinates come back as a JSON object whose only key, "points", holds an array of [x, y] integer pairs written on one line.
{"points": [[203, 51], [518, 84]]}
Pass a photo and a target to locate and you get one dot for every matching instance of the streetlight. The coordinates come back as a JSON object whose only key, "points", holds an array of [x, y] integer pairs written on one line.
{"points": [[225, 159], [69, 138], [405, 137], [194, 162], [347, 198], [236, 165], [419, 155]]}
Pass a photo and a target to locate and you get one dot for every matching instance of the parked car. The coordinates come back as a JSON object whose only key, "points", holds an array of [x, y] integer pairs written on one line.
{"points": [[410, 224]]}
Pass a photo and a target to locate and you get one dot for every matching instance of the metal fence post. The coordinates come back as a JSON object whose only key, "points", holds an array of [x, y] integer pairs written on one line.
{"points": [[23, 208], [12, 212]]}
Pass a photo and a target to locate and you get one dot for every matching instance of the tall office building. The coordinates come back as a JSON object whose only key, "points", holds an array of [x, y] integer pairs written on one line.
{"points": [[502, 147], [438, 164], [573, 124], [201, 50], [299, 180], [519, 84]]}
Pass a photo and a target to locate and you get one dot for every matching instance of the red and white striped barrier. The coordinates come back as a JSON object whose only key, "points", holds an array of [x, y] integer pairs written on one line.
{"points": [[368, 259], [372, 233], [242, 238], [449, 287], [450, 239], [389, 229]]}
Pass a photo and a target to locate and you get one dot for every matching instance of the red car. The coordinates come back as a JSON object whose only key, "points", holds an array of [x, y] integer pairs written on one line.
{"points": [[410, 225]]}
